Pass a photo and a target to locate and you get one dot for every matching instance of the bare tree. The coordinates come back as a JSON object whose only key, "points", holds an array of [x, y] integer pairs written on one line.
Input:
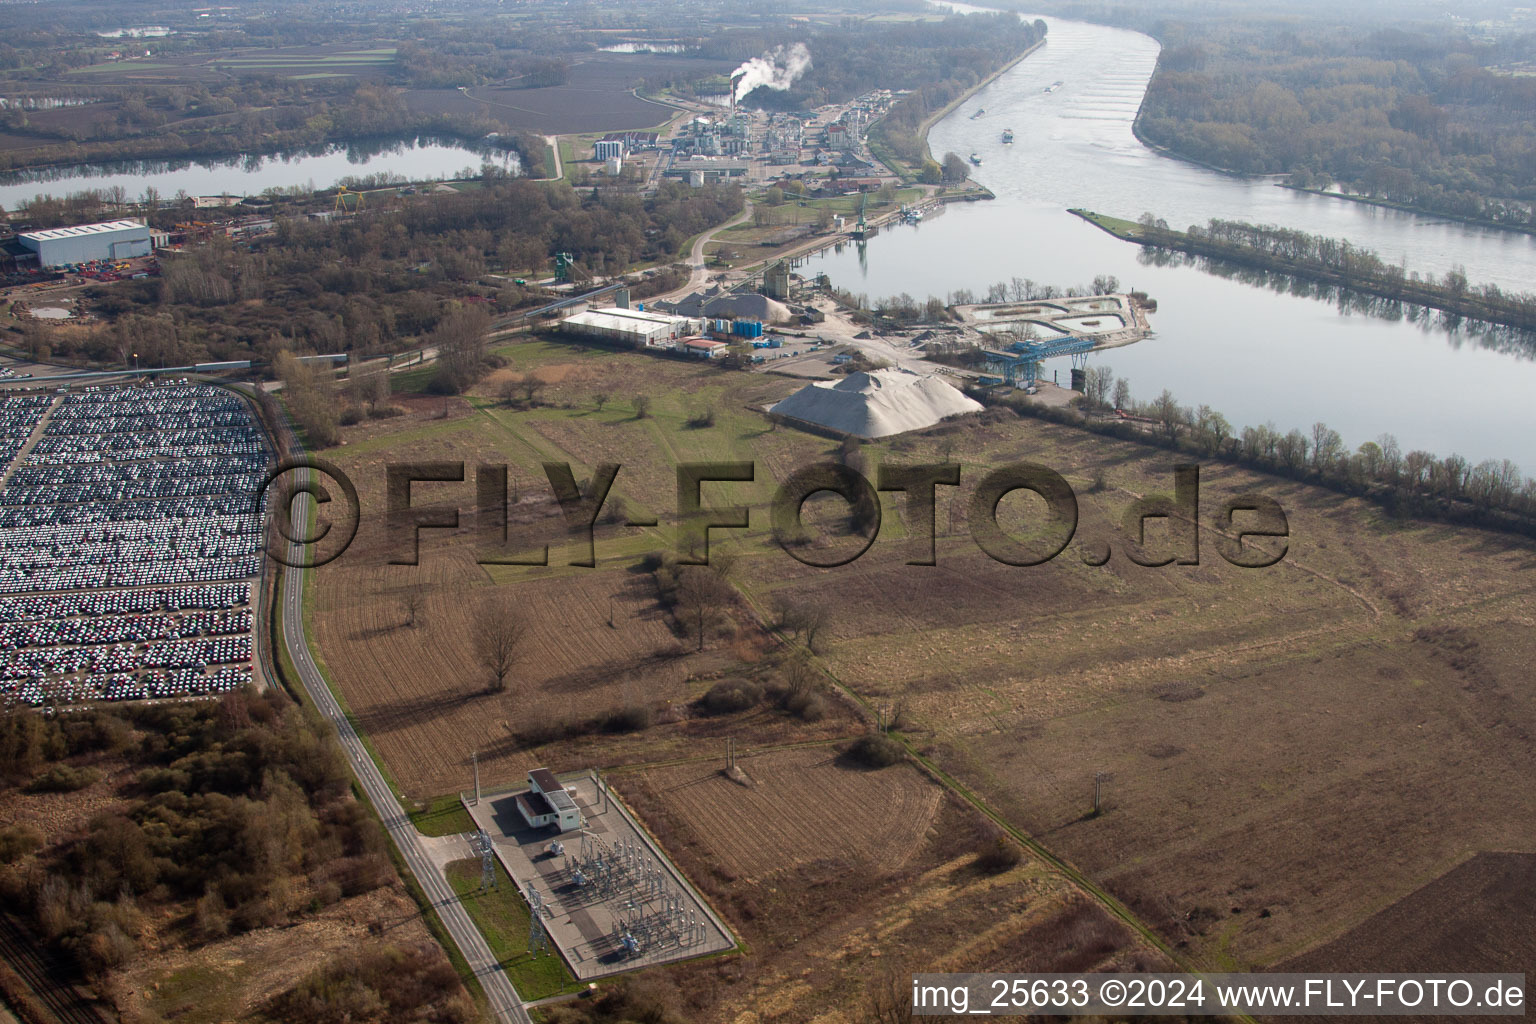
{"points": [[1097, 384], [1292, 449], [368, 387], [1327, 445], [600, 399], [701, 598], [1122, 394], [460, 341], [1106, 284], [499, 633], [889, 1000], [1212, 429], [642, 406], [531, 384], [412, 599], [1171, 418], [806, 618]]}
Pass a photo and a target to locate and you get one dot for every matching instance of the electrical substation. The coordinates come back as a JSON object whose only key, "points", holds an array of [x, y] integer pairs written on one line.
{"points": [[602, 895]]}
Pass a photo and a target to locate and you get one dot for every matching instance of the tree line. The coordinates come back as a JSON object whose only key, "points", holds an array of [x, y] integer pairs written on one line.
{"points": [[1335, 261], [1491, 493]]}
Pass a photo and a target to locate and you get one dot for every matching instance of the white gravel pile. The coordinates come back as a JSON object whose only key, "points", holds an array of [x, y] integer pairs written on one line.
{"points": [[876, 404]]}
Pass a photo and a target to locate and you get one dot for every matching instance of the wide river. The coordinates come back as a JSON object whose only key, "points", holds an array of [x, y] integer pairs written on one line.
{"points": [[1255, 355]]}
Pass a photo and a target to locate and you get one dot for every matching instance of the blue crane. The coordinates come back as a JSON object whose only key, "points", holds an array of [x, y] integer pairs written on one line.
{"points": [[1017, 365]]}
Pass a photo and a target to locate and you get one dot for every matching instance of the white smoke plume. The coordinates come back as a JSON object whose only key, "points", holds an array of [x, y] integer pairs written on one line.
{"points": [[776, 69]]}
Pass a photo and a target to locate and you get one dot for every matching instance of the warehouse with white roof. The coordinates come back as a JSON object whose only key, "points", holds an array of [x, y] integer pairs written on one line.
{"points": [[112, 240], [633, 326]]}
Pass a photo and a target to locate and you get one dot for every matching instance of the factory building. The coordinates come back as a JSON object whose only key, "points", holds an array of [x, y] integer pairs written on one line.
{"points": [[630, 326], [700, 171], [113, 240], [608, 149]]}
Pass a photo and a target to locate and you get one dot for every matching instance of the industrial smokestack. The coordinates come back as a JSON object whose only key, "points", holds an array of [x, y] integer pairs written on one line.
{"points": [[776, 69], [735, 80]]}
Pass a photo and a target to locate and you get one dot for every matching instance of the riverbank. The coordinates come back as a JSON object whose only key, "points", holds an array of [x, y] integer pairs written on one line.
{"points": [[900, 167], [1516, 311], [1481, 222], [934, 119]]}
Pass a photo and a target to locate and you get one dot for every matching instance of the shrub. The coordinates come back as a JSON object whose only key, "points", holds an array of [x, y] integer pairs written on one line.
{"points": [[388, 985], [731, 695], [61, 778], [998, 855], [699, 420], [629, 719], [875, 751], [808, 707], [351, 416], [16, 841]]}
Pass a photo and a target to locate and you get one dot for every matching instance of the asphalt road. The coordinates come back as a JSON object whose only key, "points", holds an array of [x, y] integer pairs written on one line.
{"points": [[506, 1004]]}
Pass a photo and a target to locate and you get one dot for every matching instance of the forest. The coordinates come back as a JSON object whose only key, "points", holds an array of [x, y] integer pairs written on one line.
{"points": [[1412, 114], [223, 817], [375, 283]]}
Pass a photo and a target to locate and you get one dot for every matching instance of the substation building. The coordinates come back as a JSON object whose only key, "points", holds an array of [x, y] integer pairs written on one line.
{"points": [[84, 243], [547, 804]]}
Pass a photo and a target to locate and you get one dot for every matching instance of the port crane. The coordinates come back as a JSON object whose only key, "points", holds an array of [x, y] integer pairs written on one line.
{"points": [[342, 192], [1017, 366], [860, 231]]}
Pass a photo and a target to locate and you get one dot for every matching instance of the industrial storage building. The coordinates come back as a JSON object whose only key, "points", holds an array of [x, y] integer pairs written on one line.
{"points": [[113, 240], [705, 348], [547, 803], [632, 326]]}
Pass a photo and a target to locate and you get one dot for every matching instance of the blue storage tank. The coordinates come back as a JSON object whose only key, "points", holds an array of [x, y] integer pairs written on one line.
{"points": [[747, 328]]}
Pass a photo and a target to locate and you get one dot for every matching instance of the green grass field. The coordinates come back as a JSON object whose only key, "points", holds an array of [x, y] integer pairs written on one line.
{"points": [[443, 816], [502, 917]]}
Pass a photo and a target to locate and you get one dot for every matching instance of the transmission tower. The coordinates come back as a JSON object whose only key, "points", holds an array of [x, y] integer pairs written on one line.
{"points": [[480, 843], [538, 938]]}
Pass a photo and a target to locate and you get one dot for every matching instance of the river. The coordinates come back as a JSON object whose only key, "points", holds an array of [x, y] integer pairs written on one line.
{"points": [[416, 160], [1251, 353]]}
